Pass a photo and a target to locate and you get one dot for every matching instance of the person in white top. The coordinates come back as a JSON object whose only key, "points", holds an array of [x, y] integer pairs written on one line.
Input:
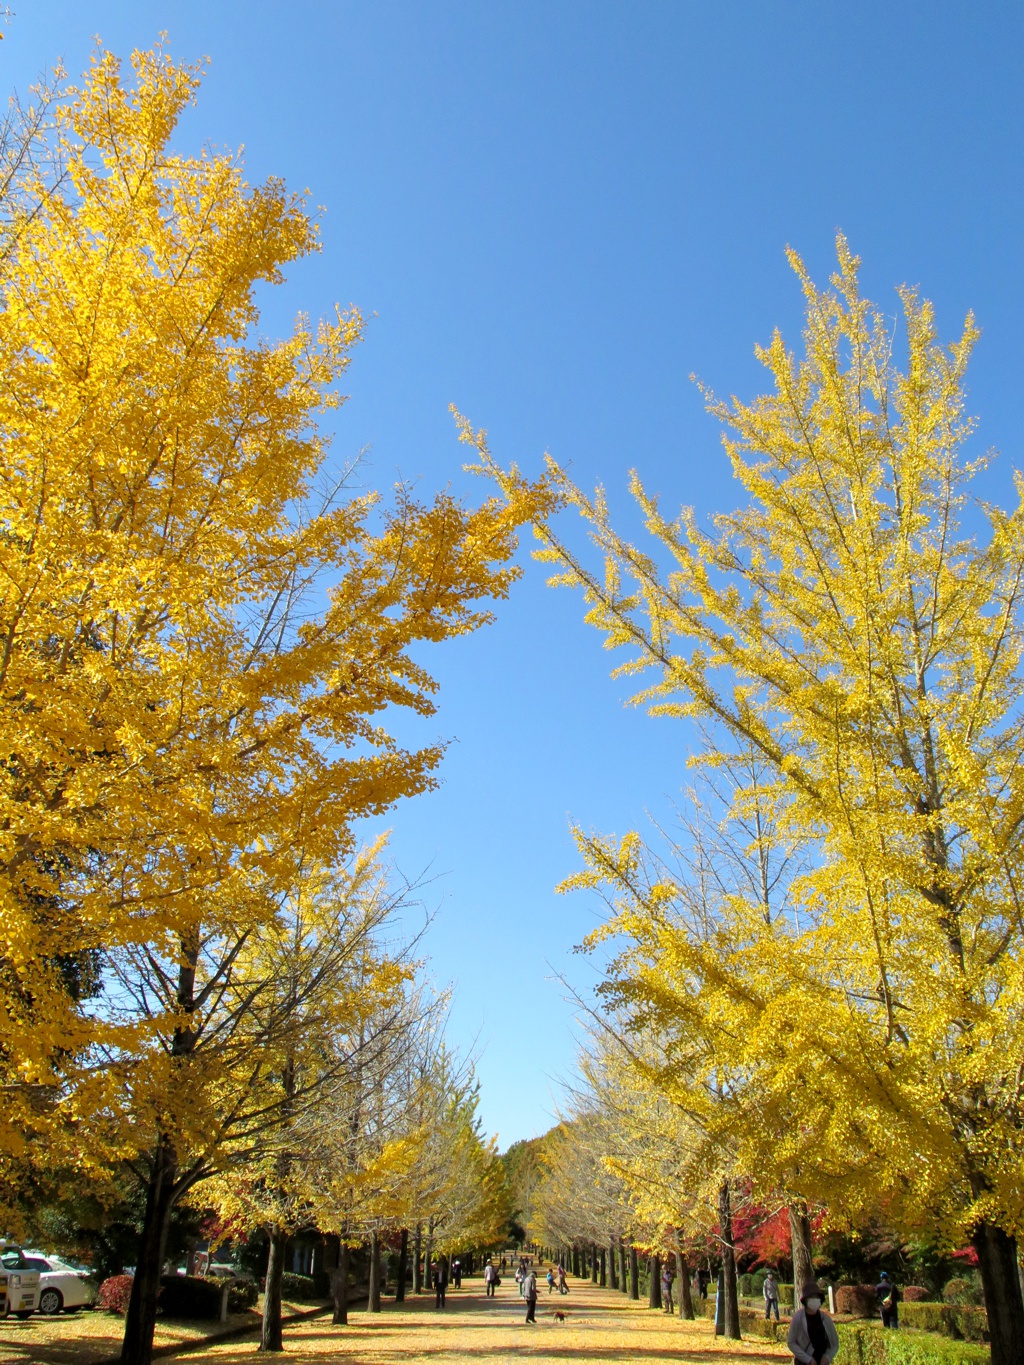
{"points": [[490, 1275]]}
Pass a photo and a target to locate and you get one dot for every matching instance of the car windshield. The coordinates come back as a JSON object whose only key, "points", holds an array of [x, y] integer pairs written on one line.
{"points": [[37, 1263], [13, 1259]]}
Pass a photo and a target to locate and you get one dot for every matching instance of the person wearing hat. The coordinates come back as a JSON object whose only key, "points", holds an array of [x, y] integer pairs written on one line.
{"points": [[888, 1300], [813, 1338]]}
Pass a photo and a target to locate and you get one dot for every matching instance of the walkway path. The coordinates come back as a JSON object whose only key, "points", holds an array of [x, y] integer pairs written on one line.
{"points": [[601, 1327]]}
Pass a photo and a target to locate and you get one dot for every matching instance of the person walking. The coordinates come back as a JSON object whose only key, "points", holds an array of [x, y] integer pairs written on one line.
{"points": [[490, 1275], [563, 1287], [551, 1280], [888, 1301], [457, 1274], [530, 1295], [770, 1290], [440, 1281], [667, 1276], [812, 1338], [703, 1280]]}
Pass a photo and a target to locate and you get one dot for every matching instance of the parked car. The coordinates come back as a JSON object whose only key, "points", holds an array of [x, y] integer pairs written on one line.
{"points": [[62, 1286], [19, 1282]]}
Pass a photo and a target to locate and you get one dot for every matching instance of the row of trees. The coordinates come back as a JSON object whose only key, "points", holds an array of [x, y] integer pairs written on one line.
{"points": [[818, 987], [204, 631]]}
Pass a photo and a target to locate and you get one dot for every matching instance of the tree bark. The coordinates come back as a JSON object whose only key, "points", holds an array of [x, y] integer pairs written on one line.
{"points": [[732, 1303], [428, 1256], [654, 1285], [576, 1262], [613, 1279], [271, 1338], [374, 1304], [593, 1264], [602, 1278], [403, 1266], [634, 1274], [803, 1253], [623, 1268], [683, 1280], [417, 1250], [140, 1320], [339, 1287], [1000, 1279]]}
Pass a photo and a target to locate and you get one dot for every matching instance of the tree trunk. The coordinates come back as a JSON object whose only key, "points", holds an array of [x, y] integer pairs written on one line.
{"points": [[403, 1265], [271, 1338], [339, 1287], [140, 1320], [634, 1274], [1000, 1279], [576, 1262], [731, 1319], [683, 1280], [623, 1268], [417, 1249], [593, 1264], [803, 1255], [603, 1274], [374, 1304], [428, 1257], [654, 1287], [613, 1279]]}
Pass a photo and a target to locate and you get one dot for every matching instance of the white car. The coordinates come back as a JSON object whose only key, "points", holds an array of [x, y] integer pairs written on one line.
{"points": [[61, 1286], [19, 1282]]}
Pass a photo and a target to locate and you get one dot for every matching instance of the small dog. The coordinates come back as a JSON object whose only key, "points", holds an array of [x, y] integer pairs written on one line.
{"points": [[559, 1316]]}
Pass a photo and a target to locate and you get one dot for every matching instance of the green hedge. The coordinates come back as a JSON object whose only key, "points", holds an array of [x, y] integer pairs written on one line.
{"points": [[187, 1296], [957, 1321], [300, 1289], [864, 1344]]}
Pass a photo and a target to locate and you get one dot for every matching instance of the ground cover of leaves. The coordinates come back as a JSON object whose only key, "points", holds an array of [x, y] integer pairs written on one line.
{"points": [[86, 1337], [601, 1327]]}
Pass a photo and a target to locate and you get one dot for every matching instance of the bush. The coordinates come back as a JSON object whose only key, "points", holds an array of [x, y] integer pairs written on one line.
{"points": [[857, 1300], [745, 1283], [242, 1295], [115, 1292], [299, 1289], [187, 1296], [785, 1296], [861, 1344], [961, 1292], [915, 1294], [961, 1323]]}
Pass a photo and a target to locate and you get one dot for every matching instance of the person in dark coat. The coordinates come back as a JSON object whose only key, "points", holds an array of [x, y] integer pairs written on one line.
{"points": [[440, 1281], [888, 1301]]}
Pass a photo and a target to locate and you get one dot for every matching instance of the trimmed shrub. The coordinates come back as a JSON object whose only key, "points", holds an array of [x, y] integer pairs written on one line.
{"points": [[745, 1283], [857, 1300], [115, 1292], [299, 1288], [187, 1296], [242, 1295], [923, 1348], [961, 1323], [960, 1291], [864, 1344], [786, 1296], [915, 1294]]}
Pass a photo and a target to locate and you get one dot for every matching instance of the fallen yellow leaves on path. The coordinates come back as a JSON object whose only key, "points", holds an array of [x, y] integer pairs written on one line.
{"points": [[600, 1327]]}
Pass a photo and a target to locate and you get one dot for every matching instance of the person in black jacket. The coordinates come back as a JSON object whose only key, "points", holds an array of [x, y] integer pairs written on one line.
{"points": [[440, 1281], [888, 1301]]}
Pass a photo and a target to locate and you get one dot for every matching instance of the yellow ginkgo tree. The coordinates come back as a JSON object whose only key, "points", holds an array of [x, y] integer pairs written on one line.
{"points": [[857, 624], [200, 627]]}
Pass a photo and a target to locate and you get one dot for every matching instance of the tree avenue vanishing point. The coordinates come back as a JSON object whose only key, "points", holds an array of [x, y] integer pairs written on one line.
{"points": [[847, 631], [200, 626]]}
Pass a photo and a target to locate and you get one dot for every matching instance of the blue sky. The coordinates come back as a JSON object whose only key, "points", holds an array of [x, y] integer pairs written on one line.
{"points": [[555, 212]]}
